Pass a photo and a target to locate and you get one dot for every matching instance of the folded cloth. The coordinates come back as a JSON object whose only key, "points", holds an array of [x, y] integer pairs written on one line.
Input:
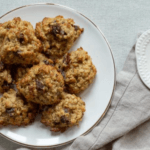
{"points": [[129, 109]]}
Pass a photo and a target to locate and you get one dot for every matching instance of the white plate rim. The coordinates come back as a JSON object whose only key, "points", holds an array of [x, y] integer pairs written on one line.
{"points": [[140, 51], [108, 105]]}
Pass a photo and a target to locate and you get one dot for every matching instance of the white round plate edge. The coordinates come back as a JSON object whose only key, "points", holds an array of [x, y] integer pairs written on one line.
{"points": [[140, 51]]}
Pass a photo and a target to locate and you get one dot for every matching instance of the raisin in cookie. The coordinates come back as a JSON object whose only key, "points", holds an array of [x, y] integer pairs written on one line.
{"points": [[20, 46], [15, 111], [77, 69], [42, 84], [69, 112], [57, 35], [6, 26]]}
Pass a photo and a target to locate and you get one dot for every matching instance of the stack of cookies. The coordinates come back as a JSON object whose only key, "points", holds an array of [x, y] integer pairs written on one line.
{"points": [[38, 75]]}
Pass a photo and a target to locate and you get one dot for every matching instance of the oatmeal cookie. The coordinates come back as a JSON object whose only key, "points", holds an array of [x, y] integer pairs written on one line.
{"points": [[20, 71], [15, 111], [69, 112], [6, 26], [77, 69], [20, 46], [42, 84], [57, 35], [16, 22]]}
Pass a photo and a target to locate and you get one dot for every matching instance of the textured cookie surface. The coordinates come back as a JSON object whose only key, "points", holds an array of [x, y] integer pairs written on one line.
{"points": [[15, 111], [16, 22], [21, 71], [20, 45], [42, 59], [5, 78], [42, 84], [67, 113], [77, 69], [5, 81], [57, 35]]}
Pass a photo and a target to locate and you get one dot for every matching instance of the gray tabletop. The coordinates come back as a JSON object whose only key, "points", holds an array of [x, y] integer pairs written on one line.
{"points": [[119, 20]]}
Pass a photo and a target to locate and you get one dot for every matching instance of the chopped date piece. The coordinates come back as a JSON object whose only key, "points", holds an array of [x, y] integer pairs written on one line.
{"points": [[47, 53], [39, 85], [56, 123], [30, 65], [47, 63], [56, 29], [18, 53], [50, 106], [21, 38], [66, 59], [10, 110], [63, 119], [76, 27], [1, 66], [13, 69], [40, 38]]}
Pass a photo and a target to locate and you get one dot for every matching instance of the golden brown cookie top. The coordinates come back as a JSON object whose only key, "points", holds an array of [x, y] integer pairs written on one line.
{"points": [[67, 113], [18, 42], [15, 111], [42, 59], [20, 46], [77, 69], [42, 84], [57, 35], [15, 23]]}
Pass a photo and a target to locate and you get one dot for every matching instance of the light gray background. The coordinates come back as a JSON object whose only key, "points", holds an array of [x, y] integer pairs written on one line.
{"points": [[119, 20]]}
